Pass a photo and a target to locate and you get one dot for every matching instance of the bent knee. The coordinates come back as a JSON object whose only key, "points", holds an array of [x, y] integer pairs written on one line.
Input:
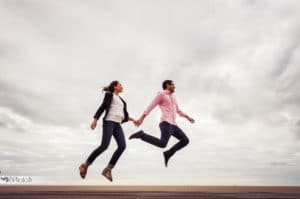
{"points": [[163, 144], [185, 141]]}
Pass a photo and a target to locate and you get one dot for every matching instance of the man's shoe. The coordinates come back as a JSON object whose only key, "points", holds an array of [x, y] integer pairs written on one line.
{"points": [[166, 158], [138, 134]]}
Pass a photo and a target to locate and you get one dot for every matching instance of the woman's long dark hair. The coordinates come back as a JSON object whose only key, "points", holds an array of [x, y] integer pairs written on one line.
{"points": [[111, 86]]}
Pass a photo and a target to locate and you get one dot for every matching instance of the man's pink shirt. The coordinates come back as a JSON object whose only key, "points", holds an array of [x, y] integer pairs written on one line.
{"points": [[168, 106]]}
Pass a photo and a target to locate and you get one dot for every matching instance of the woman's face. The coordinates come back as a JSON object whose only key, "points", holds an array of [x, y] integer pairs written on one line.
{"points": [[119, 88]]}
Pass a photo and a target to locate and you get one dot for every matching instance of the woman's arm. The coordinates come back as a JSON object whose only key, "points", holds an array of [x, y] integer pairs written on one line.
{"points": [[131, 119], [102, 106], [100, 111]]}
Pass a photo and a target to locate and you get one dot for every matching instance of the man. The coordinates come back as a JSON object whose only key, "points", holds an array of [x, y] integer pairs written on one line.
{"points": [[169, 107]]}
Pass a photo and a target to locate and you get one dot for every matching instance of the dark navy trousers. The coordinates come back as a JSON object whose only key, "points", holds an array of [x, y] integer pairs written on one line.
{"points": [[167, 130], [110, 129]]}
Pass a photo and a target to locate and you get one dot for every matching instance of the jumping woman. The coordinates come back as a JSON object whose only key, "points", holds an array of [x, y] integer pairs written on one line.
{"points": [[115, 114]]}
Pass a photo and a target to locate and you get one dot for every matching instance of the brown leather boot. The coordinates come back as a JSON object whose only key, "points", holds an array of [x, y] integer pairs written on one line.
{"points": [[107, 173], [83, 170]]}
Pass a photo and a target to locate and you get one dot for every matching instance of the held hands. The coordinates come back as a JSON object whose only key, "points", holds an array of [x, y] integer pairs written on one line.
{"points": [[138, 122], [135, 122], [94, 124]]}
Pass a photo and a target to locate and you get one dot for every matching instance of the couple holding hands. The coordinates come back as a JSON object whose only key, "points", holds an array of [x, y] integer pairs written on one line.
{"points": [[116, 114]]}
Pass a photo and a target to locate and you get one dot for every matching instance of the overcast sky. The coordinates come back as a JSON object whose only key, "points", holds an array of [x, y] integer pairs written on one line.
{"points": [[236, 69]]}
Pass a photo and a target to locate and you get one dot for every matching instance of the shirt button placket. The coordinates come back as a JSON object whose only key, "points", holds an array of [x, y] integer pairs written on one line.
{"points": [[172, 107]]}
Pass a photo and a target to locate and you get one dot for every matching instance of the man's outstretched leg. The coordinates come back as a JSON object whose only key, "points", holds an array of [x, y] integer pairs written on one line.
{"points": [[183, 141], [166, 132]]}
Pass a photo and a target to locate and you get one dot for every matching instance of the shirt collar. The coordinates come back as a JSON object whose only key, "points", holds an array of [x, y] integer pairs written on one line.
{"points": [[167, 92]]}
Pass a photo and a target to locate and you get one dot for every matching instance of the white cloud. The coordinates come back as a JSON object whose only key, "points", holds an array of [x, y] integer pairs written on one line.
{"points": [[234, 65]]}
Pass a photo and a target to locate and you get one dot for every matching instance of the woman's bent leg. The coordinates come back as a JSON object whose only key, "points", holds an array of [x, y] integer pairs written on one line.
{"points": [[120, 139], [108, 128]]}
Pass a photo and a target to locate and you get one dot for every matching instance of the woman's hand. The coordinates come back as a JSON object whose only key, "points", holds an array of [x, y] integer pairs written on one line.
{"points": [[139, 122], [94, 124], [132, 119]]}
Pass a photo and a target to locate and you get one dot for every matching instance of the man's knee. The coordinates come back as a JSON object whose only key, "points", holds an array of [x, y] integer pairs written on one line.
{"points": [[185, 141], [163, 144]]}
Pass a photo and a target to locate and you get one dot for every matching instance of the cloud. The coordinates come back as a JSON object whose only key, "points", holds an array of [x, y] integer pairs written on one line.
{"points": [[278, 163], [31, 148], [16, 99], [296, 129], [235, 66]]}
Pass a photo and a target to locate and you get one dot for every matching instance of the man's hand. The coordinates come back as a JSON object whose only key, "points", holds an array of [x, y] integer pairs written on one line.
{"points": [[138, 122], [94, 124], [190, 119]]}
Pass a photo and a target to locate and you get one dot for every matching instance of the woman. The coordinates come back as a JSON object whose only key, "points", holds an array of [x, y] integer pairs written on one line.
{"points": [[115, 114]]}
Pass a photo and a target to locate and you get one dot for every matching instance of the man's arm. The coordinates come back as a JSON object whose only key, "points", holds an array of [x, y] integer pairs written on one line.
{"points": [[151, 106], [182, 114]]}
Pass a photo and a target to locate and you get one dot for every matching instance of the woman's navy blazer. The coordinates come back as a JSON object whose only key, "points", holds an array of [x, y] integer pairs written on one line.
{"points": [[105, 106]]}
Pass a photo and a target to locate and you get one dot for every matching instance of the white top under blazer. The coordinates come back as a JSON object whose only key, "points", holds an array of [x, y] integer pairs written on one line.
{"points": [[116, 112]]}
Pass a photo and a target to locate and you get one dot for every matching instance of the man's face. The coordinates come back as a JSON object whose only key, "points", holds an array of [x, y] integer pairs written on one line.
{"points": [[171, 87]]}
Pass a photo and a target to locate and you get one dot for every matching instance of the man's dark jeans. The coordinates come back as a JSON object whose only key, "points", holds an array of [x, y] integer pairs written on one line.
{"points": [[167, 130], [110, 129]]}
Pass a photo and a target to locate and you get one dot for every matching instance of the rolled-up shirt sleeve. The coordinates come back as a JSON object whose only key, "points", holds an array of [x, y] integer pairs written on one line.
{"points": [[153, 104], [179, 111]]}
